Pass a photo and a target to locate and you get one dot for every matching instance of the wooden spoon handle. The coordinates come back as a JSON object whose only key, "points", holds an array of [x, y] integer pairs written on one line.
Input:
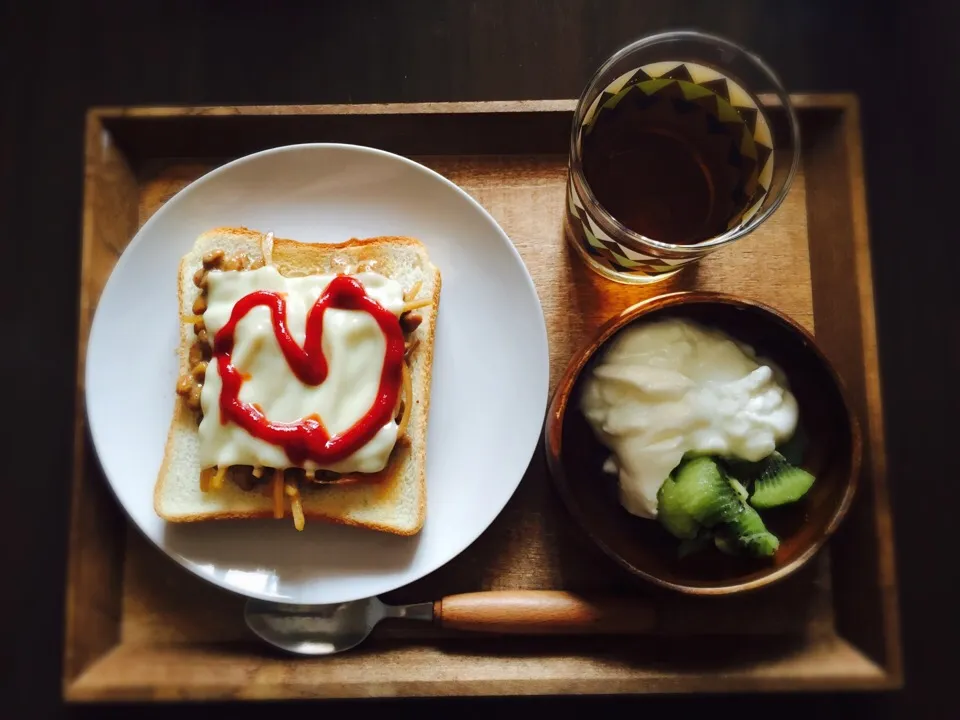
{"points": [[540, 612]]}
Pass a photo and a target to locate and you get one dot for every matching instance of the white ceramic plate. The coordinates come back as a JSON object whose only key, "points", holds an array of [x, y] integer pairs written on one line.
{"points": [[490, 371]]}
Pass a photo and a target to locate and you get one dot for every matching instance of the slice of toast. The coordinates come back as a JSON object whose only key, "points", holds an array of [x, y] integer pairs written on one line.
{"points": [[393, 500]]}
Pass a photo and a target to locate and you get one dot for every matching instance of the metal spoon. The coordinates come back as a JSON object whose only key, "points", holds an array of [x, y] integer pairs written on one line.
{"points": [[329, 629]]}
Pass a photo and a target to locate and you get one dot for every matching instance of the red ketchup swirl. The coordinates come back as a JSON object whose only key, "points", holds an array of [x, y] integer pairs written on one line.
{"points": [[308, 439]]}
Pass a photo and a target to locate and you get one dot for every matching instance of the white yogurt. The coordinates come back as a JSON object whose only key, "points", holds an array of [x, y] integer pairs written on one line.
{"points": [[663, 389]]}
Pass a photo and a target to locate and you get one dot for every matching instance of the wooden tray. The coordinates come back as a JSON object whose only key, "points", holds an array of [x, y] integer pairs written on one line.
{"points": [[140, 628]]}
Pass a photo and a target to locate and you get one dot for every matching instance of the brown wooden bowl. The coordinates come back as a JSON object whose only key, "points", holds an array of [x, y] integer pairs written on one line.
{"points": [[642, 546]]}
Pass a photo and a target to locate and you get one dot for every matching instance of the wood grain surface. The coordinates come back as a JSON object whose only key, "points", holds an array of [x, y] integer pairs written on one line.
{"points": [[522, 667], [808, 259], [94, 591]]}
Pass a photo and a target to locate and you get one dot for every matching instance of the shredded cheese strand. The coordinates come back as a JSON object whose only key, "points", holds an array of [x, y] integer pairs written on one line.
{"points": [[296, 506], [216, 482], [205, 476], [412, 292], [416, 305], [190, 319], [407, 402]]}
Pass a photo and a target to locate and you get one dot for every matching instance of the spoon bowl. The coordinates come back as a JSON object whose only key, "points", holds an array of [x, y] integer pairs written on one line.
{"points": [[323, 629]]}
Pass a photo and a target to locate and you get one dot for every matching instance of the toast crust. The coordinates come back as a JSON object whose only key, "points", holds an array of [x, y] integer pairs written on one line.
{"points": [[393, 500]]}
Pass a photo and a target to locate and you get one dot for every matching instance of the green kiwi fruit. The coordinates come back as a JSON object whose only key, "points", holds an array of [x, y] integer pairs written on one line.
{"points": [[701, 491], [672, 515], [780, 483], [751, 535]]}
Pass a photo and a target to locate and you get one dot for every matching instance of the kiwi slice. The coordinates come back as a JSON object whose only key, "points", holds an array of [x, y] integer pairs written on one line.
{"points": [[672, 515], [780, 483], [702, 492], [751, 535]]}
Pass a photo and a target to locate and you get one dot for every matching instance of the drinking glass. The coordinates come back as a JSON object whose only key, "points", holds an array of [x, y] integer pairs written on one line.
{"points": [[682, 143]]}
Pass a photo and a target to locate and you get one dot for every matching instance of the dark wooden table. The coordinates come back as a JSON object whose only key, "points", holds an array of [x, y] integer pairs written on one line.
{"points": [[58, 58]]}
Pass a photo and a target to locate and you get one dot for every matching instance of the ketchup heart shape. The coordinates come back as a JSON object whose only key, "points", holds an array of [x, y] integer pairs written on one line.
{"points": [[308, 439]]}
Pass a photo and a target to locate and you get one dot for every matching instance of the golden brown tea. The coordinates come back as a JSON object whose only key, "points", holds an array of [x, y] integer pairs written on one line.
{"points": [[668, 167]]}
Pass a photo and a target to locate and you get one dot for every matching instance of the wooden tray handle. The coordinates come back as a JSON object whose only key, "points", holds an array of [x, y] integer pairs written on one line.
{"points": [[540, 612]]}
